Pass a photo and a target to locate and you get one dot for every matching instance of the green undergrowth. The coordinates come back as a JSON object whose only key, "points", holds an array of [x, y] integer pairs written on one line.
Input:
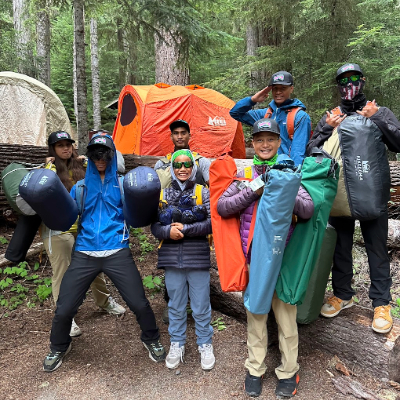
{"points": [[144, 244]]}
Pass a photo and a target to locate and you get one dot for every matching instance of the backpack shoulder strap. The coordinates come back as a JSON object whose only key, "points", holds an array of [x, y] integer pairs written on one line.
{"points": [[269, 112], [248, 172], [80, 195], [166, 159], [162, 200], [198, 194], [291, 115], [121, 188]]}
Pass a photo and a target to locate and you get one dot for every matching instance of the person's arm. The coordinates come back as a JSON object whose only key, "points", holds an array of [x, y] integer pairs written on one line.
{"points": [[321, 134], [303, 206], [234, 200], [242, 111], [389, 126], [301, 136], [161, 232], [200, 228]]}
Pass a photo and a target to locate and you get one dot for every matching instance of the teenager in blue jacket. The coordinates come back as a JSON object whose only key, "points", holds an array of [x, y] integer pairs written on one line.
{"points": [[281, 86], [101, 246]]}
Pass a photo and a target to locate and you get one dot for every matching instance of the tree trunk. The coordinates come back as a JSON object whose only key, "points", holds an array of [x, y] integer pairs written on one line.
{"points": [[43, 43], [23, 35], [80, 76], [95, 74], [122, 60], [172, 53], [251, 51]]}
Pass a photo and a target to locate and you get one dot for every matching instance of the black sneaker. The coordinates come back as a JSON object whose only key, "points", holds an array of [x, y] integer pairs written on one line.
{"points": [[287, 387], [165, 316], [252, 385], [54, 359], [156, 351]]}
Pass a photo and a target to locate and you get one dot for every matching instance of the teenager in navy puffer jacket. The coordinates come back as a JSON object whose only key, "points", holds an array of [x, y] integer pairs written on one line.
{"points": [[185, 255]]}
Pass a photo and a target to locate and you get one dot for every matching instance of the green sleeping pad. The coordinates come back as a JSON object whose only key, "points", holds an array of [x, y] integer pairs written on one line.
{"points": [[11, 177]]}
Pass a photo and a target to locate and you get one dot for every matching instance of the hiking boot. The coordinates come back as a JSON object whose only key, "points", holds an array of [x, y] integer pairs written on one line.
{"points": [[156, 350], [334, 305], [287, 387], [113, 307], [75, 330], [207, 356], [165, 316], [253, 385], [54, 359], [175, 355], [382, 322]]}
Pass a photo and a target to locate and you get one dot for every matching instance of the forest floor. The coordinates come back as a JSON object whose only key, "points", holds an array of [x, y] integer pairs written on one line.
{"points": [[109, 362]]}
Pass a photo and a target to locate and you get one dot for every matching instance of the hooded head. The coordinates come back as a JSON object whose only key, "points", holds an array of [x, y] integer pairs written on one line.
{"points": [[350, 81], [183, 168]]}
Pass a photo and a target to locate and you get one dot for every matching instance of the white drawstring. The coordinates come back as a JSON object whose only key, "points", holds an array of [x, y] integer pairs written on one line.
{"points": [[50, 249]]}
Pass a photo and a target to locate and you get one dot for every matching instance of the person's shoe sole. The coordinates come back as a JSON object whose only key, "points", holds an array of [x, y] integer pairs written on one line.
{"points": [[377, 330], [208, 368], [251, 394], [152, 358], [337, 312], [60, 362], [172, 366]]}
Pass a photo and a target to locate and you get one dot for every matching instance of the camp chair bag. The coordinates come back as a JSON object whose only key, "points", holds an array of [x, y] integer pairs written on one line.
{"points": [[320, 179]]}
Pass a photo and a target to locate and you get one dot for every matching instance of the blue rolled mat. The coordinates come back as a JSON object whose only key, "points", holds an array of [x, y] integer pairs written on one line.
{"points": [[45, 193], [142, 189]]}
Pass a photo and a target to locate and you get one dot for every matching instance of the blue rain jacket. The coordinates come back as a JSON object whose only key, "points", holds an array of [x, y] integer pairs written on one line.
{"points": [[102, 225], [295, 148]]}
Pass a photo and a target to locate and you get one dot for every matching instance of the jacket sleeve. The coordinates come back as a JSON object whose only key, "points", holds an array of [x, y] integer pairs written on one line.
{"points": [[201, 228], [389, 126], [301, 136], [161, 232], [234, 200], [242, 112], [303, 206], [322, 133]]}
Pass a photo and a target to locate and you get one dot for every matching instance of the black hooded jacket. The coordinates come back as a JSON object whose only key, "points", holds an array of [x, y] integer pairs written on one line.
{"points": [[383, 118]]}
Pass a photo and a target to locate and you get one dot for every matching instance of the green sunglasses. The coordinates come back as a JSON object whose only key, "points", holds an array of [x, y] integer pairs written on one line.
{"points": [[186, 164], [353, 78]]}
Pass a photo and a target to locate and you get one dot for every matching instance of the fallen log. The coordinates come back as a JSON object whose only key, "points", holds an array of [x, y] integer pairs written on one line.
{"points": [[393, 241]]}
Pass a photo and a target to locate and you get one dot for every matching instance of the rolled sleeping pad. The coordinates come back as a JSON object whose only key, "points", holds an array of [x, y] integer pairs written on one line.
{"points": [[142, 189], [45, 193], [11, 177]]}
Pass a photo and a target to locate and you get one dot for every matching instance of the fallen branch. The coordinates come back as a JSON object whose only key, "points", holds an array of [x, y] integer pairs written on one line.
{"points": [[346, 385]]}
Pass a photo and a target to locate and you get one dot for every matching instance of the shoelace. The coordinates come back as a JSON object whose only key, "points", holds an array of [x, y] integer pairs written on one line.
{"points": [[206, 350], [176, 351], [157, 346], [382, 312]]}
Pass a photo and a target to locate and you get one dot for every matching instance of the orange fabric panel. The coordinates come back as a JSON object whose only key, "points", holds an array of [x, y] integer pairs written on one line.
{"points": [[156, 94], [238, 145], [214, 97]]}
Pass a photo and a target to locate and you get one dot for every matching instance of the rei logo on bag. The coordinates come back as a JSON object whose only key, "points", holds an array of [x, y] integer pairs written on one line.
{"points": [[216, 121], [361, 167]]}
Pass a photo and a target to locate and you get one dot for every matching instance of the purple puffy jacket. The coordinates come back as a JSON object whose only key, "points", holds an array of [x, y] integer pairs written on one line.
{"points": [[235, 200]]}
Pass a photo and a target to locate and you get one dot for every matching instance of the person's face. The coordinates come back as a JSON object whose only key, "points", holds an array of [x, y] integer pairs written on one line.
{"points": [[266, 145], [180, 138], [281, 93], [183, 173], [63, 149], [101, 165]]}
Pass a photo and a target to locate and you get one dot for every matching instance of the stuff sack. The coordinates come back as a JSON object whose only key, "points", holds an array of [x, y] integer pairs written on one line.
{"points": [[232, 266], [364, 179], [274, 215], [309, 310], [142, 193], [320, 178], [45, 193]]}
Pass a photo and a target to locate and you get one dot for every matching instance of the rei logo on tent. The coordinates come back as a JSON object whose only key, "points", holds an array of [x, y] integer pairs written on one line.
{"points": [[216, 121]]}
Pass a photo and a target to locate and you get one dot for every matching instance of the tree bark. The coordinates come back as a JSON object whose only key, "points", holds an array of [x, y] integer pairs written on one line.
{"points": [[172, 53], [43, 43], [251, 51], [80, 76], [95, 74], [122, 60]]}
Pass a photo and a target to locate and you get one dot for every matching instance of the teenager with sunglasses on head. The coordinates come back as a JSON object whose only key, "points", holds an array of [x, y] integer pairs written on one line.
{"points": [[63, 159], [184, 253], [350, 82]]}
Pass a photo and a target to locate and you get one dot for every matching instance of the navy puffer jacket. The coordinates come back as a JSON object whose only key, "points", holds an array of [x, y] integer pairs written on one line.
{"points": [[193, 251]]}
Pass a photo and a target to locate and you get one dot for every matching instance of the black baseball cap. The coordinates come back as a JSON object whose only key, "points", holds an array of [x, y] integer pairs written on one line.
{"points": [[101, 140], [266, 125], [281, 78], [179, 123], [348, 67], [59, 135]]}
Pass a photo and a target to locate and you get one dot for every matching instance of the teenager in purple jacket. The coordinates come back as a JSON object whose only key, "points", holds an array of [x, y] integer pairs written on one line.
{"points": [[240, 198]]}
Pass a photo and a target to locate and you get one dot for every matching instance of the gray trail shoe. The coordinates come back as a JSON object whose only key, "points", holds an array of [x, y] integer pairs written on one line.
{"points": [[207, 356], [113, 307], [54, 359], [175, 355]]}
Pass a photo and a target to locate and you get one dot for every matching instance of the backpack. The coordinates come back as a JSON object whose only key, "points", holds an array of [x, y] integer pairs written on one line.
{"points": [[290, 117]]}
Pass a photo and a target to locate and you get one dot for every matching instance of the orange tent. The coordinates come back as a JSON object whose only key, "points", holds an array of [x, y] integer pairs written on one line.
{"points": [[145, 113]]}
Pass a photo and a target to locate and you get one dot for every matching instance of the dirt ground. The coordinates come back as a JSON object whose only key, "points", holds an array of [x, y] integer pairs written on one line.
{"points": [[109, 361]]}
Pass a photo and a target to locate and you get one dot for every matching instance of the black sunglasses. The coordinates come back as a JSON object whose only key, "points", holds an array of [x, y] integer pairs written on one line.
{"points": [[186, 164]]}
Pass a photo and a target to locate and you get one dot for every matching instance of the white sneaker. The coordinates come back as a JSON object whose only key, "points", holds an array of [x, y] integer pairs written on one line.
{"points": [[75, 330], [207, 356], [113, 307], [175, 355]]}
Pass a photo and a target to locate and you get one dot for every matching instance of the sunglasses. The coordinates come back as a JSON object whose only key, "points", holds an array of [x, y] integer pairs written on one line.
{"points": [[353, 78], [186, 164]]}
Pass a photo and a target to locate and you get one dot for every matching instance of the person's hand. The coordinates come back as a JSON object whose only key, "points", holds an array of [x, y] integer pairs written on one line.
{"points": [[369, 109], [260, 96], [175, 233], [178, 225], [260, 191], [82, 158], [50, 159], [334, 119]]}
